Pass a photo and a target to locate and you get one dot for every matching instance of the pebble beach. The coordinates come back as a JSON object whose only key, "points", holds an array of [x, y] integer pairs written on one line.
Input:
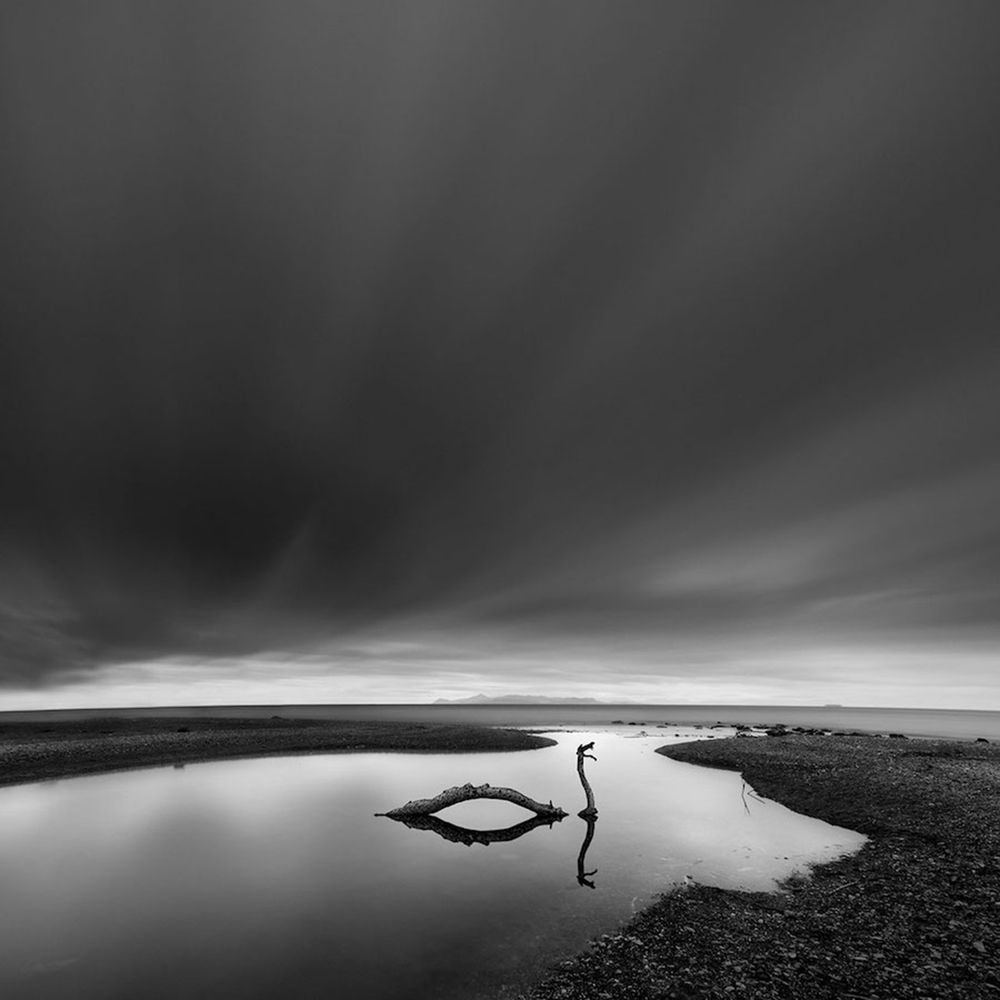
{"points": [[915, 915]]}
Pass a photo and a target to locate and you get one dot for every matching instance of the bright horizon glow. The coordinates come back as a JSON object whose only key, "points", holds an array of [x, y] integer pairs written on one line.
{"points": [[321, 680]]}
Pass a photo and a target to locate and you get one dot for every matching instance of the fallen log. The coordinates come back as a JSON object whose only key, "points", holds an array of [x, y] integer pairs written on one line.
{"points": [[467, 793]]}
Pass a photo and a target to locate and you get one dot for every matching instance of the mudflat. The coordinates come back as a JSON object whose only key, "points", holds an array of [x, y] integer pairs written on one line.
{"points": [[39, 751], [915, 914]]}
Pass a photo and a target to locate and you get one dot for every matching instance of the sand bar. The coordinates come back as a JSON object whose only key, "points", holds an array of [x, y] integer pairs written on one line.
{"points": [[39, 751]]}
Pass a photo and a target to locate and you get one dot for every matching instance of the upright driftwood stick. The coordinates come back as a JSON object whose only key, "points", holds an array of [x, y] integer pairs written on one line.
{"points": [[581, 752]]}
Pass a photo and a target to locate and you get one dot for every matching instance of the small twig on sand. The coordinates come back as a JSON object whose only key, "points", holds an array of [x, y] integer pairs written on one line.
{"points": [[744, 791], [839, 887]]}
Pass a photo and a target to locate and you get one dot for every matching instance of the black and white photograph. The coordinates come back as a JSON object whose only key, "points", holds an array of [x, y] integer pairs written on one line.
{"points": [[499, 500]]}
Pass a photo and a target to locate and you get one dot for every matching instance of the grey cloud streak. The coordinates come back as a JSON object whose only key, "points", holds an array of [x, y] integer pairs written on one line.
{"points": [[673, 320]]}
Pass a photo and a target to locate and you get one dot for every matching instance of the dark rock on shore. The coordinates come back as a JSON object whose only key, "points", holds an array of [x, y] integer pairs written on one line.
{"points": [[912, 916]]}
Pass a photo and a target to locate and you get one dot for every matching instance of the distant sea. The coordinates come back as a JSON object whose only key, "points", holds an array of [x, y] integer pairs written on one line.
{"points": [[918, 722]]}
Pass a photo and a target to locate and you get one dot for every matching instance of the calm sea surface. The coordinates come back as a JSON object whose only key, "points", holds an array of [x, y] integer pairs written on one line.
{"points": [[943, 723], [273, 877]]}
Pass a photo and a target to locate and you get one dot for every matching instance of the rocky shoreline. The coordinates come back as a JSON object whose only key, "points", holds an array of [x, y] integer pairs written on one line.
{"points": [[915, 915], [39, 751]]}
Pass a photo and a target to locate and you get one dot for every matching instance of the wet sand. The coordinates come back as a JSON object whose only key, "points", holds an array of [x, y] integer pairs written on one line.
{"points": [[39, 751], [915, 914]]}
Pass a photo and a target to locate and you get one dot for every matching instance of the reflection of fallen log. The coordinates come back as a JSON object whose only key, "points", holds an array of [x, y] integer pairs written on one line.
{"points": [[469, 792], [463, 835]]}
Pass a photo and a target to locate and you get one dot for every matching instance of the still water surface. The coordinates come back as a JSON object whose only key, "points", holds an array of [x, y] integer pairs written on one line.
{"points": [[272, 877], [949, 724]]}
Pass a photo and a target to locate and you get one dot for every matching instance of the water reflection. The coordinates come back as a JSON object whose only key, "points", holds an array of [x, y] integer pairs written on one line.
{"points": [[582, 876], [464, 835], [456, 834], [265, 878]]}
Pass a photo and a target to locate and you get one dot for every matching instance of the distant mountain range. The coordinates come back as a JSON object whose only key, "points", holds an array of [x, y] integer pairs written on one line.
{"points": [[516, 699]]}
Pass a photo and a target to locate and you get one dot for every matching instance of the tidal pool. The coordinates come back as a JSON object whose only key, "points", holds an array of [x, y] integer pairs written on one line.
{"points": [[274, 878]]}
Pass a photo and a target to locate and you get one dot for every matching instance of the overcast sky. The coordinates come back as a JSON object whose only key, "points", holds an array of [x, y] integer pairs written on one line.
{"points": [[383, 351]]}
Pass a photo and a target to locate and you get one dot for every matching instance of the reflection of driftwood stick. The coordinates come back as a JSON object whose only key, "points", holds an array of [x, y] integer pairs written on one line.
{"points": [[581, 752], [468, 792], [463, 835], [583, 877]]}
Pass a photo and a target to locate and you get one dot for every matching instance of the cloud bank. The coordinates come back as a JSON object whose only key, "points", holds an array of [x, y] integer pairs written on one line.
{"points": [[440, 345]]}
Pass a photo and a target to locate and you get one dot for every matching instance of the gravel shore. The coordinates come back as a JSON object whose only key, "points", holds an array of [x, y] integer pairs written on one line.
{"points": [[915, 914], [37, 751]]}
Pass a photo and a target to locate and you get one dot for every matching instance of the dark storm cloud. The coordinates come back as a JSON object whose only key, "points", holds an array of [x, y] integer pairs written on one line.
{"points": [[666, 318]]}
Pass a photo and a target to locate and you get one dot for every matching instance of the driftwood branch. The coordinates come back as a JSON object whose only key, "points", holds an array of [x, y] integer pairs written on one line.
{"points": [[469, 792], [581, 753], [463, 835]]}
